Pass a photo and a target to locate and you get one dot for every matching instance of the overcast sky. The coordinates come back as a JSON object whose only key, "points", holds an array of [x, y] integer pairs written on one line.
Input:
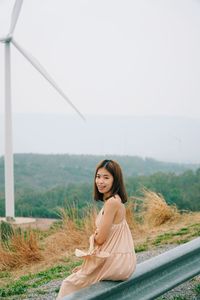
{"points": [[109, 56]]}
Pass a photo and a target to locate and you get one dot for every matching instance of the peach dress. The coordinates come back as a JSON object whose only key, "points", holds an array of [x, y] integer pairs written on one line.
{"points": [[114, 260]]}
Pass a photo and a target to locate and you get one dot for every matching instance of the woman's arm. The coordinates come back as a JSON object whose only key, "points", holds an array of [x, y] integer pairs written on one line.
{"points": [[110, 208]]}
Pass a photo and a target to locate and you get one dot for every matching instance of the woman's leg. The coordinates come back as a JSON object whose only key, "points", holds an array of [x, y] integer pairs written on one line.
{"points": [[66, 289]]}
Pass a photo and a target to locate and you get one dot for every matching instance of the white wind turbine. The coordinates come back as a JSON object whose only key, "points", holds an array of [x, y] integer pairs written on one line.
{"points": [[7, 41]]}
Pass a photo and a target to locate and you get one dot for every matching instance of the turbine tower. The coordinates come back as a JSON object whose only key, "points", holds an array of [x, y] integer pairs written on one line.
{"points": [[8, 162]]}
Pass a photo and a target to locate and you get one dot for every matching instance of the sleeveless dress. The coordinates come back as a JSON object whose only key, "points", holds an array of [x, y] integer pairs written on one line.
{"points": [[114, 260]]}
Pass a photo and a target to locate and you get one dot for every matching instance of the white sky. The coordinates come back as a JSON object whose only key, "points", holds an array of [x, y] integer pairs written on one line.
{"points": [[109, 56]]}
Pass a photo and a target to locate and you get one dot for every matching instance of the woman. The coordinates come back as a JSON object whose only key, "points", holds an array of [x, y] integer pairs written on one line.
{"points": [[111, 254]]}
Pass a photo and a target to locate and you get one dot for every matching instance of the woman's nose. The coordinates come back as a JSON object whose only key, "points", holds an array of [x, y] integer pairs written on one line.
{"points": [[100, 179]]}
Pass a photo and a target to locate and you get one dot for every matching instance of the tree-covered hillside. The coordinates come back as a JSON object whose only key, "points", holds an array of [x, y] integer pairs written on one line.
{"points": [[182, 190], [42, 172], [45, 182]]}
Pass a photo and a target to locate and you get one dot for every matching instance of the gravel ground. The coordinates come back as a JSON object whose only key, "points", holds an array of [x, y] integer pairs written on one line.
{"points": [[182, 292]]}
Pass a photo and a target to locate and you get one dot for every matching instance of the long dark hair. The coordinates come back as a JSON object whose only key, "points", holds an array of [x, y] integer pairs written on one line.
{"points": [[118, 187]]}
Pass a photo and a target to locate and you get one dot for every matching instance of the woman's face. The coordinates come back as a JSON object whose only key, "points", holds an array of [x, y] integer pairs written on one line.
{"points": [[104, 181]]}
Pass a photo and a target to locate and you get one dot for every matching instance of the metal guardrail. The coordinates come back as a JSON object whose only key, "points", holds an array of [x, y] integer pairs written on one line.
{"points": [[152, 277]]}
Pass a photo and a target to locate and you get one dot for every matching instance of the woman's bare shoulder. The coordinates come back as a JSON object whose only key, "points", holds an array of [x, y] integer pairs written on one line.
{"points": [[113, 201]]}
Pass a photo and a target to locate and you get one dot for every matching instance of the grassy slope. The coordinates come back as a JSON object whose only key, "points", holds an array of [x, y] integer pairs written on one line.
{"points": [[57, 246]]}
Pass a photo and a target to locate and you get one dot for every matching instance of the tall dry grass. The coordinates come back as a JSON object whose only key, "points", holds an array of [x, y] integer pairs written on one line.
{"points": [[132, 218], [74, 231], [22, 248], [155, 210]]}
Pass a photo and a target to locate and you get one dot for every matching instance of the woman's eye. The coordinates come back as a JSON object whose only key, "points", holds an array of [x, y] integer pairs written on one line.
{"points": [[98, 177]]}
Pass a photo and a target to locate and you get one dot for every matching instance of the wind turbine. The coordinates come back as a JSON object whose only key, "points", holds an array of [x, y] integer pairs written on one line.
{"points": [[7, 41]]}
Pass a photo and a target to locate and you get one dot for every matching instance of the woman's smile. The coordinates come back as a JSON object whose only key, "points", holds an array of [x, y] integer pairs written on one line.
{"points": [[100, 187]]}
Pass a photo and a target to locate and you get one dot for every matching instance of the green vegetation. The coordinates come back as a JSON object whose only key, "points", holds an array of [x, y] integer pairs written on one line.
{"points": [[4, 274], [45, 182], [42, 172], [197, 289], [182, 190], [180, 237], [25, 283], [6, 232], [141, 247]]}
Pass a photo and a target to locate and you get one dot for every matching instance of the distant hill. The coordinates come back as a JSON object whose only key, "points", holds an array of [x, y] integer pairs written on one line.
{"points": [[41, 172]]}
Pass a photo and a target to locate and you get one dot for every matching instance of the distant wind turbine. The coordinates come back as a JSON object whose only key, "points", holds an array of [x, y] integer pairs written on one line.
{"points": [[7, 40]]}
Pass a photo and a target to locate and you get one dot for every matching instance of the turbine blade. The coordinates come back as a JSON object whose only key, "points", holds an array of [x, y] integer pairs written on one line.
{"points": [[15, 15], [44, 73]]}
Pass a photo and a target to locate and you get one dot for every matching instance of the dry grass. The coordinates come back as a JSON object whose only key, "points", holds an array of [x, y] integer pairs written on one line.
{"points": [[135, 226], [89, 221], [33, 255], [71, 235], [21, 249], [155, 210]]}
